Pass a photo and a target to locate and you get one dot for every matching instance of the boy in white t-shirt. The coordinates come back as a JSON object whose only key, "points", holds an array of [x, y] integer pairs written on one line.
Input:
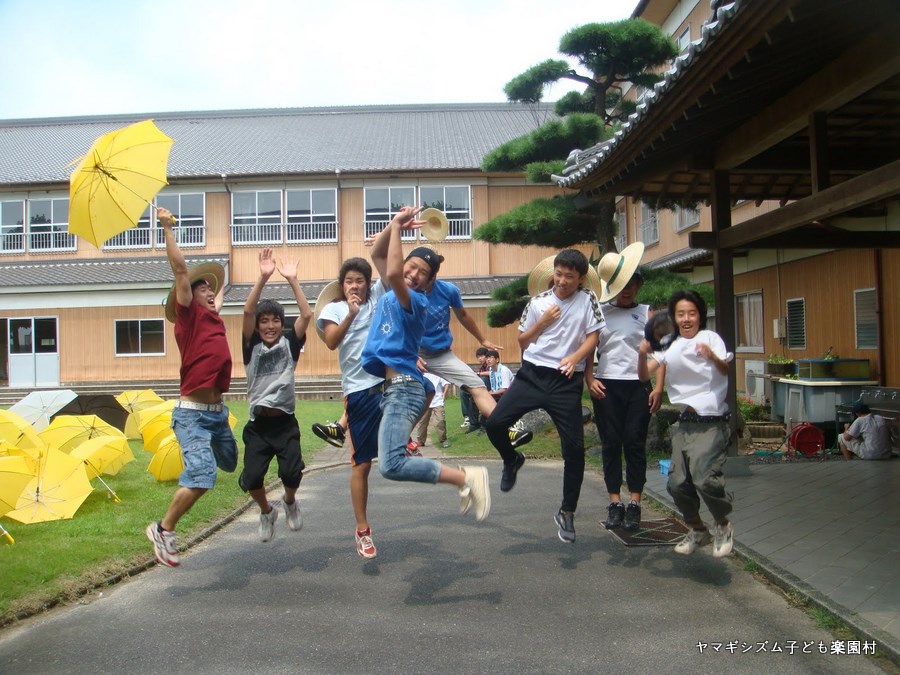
{"points": [[557, 332], [695, 369], [433, 416]]}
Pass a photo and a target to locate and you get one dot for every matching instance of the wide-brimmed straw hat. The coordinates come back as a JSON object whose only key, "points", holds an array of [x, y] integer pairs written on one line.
{"points": [[616, 270], [213, 273], [436, 224], [329, 294], [541, 277]]}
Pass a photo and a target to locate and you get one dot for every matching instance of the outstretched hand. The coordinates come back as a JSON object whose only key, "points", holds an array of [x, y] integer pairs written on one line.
{"points": [[266, 263], [406, 218], [287, 267]]}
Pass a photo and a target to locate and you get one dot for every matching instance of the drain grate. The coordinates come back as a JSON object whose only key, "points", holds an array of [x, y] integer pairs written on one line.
{"points": [[666, 532]]}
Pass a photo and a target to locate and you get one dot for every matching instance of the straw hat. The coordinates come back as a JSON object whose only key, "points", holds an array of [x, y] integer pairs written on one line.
{"points": [[436, 224], [541, 277], [212, 272], [329, 294], [616, 270]]}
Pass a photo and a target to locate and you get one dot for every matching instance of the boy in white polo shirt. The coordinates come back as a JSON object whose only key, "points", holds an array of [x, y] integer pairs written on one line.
{"points": [[557, 332]]}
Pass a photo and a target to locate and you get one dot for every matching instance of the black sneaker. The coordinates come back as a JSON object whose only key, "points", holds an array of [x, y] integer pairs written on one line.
{"points": [[565, 521], [519, 438], [508, 479], [632, 517], [333, 433], [615, 514]]}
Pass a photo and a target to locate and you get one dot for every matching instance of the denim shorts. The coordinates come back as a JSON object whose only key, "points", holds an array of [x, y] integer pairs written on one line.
{"points": [[363, 419], [206, 443]]}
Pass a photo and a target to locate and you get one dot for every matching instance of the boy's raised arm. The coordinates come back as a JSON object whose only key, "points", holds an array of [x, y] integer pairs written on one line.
{"points": [[183, 294], [266, 268], [288, 269]]}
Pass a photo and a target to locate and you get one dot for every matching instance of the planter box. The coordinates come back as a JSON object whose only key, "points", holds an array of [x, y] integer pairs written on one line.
{"points": [[780, 369], [833, 369]]}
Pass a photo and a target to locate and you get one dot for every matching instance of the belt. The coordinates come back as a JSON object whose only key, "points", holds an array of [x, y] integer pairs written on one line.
{"points": [[206, 407], [269, 412], [399, 379], [695, 418]]}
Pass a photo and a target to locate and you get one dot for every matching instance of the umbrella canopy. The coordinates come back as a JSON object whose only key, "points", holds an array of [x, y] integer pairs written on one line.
{"points": [[166, 463], [115, 181], [16, 431], [135, 400], [60, 487], [104, 406], [103, 454], [31, 455], [15, 474], [67, 432], [39, 406]]}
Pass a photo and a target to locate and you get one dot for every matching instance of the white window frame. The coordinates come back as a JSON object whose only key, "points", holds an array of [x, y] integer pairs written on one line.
{"points": [[314, 227], [57, 236], [12, 234], [649, 224], [686, 218], [256, 229], [795, 322], [374, 226], [754, 331], [189, 230], [684, 39], [140, 323], [460, 218], [865, 318]]}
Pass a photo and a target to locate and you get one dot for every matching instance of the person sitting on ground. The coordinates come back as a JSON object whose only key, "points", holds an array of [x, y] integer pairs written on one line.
{"points": [[501, 377], [200, 418], [869, 437], [270, 359], [557, 333]]}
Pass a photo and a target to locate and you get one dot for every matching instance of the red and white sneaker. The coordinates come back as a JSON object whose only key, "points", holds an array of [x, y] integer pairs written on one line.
{"points": [[364, 544], [412, 448]]}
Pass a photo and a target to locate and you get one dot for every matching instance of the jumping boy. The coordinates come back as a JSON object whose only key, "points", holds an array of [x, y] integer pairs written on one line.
{"points": [[199, 419], [391, 353], [557, 332], [270, 358]]}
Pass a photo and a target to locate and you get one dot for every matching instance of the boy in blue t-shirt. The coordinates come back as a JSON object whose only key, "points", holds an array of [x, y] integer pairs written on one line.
{"points": [[391, 352]]}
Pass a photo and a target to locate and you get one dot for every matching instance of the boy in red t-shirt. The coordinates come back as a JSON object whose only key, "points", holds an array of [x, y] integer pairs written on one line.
{"points": [[199, 419]]}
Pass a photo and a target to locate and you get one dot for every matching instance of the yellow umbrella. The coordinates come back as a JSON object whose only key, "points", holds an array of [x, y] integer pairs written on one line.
{"points": [[155, 424], [16, 431], [115, 181], [166, 463], [135, 400], [104, 454], [30, 455], [60, 487], [15, 475], [68, 431]]}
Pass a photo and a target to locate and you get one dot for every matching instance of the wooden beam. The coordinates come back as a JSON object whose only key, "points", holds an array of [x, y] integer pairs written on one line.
{"points": [[861, 68], [820, 177], [805, 239], [878, 184]]}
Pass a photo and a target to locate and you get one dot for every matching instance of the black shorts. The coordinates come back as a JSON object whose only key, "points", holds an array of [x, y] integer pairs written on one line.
{"points": [[268, 437]]}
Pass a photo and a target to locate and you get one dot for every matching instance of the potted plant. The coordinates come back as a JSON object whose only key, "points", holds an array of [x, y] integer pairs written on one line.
{"points": [[779, 365]]}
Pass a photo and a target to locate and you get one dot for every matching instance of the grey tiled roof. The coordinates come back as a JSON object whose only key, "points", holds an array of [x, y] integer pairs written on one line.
{"points": [[281, 141], [120, 271]]}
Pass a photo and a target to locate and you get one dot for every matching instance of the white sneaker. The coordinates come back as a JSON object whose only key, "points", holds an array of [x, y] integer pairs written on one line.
{"points": [[293, 515], [465, 423], [723, 539], [476, 492], [267, 522], [692, 540]]}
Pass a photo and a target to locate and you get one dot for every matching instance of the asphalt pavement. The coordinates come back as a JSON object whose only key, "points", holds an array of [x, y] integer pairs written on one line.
{"points": [[444, 595]]}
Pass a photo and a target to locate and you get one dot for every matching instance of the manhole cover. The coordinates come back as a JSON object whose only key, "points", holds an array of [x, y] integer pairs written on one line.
{"points": [[666, 532]]}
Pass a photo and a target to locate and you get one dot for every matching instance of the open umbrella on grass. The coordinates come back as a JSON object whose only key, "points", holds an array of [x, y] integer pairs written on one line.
{"points": [[56, 492], [166, 463], [104, 454], [66, 432], [39, 406], [15, 475], [104, 406], [16, 431], [135, 400]]}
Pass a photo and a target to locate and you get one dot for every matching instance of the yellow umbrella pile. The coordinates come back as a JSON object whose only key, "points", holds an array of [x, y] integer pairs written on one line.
{"points": [[135, 400], [15, 475], [67, 432], [55, 492]]}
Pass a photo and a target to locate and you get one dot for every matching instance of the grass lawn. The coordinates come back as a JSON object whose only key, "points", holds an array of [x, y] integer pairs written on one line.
{"points": [[52, 562]]}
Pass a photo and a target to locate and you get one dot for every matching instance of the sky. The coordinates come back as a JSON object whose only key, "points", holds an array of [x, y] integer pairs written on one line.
{"points": [[65, 58]]}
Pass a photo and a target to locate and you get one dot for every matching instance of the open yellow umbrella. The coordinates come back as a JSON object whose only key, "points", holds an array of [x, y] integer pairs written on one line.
{"points": [[60, 487], [104, 454], [15, 475], [16, 431], [66, 432], [155, 423], [135, 400], [115, 181], [166, 463]]}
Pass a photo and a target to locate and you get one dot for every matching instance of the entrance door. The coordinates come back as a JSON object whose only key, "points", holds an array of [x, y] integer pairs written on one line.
{"points": [[33, 352]]}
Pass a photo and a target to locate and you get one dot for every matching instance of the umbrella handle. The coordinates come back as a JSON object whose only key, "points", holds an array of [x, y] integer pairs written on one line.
{"points": [[7, 535], [112, 493]]}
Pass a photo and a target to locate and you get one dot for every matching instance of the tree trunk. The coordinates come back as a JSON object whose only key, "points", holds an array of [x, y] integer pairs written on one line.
{"points": [[605, 209]]}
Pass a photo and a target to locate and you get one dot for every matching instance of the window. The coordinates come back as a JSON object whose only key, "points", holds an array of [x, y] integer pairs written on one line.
{"points": [[256, 217], [48, 225], [141, 337], [796, 323], [685, 218], [865, 318], [12, 226], [748, 309], [649, 225], [454, 202], [382, 204], [311, 216], [684, 39], [189, 230]]}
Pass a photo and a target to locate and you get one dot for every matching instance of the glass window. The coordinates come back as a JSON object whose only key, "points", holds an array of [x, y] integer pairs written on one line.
{"points": [[12, 226], [48, 225], [382, 204], [685, 218], [684, 39], [865, 318], [142, 337], [311, 216], [649, 225], [455, 202], [749, 315], [256, 217], [796, 323]]}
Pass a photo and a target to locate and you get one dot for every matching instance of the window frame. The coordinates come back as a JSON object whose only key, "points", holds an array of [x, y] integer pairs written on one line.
{"points": [[256, 228], [140, 335], [747, 297], [460, 227], [327, 228], [873, 319], [680, 224], [372, 227], [8, 231], [684, 39], [649, 225], [57, 234]]}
